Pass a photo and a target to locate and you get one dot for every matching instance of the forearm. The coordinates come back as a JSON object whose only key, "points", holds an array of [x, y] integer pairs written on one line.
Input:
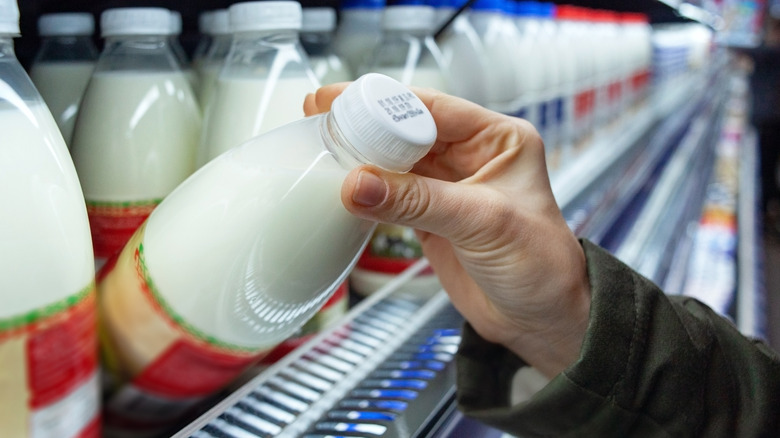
{"points": [[649, 364]]}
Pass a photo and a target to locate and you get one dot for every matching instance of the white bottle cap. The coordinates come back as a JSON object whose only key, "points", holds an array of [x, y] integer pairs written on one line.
{"points": [[66, 23], [265, 15], [385, 122], [205, 22], [318, 20], [9, 17], [409, 17], [220, 22], [175, 17], [135, 21]]}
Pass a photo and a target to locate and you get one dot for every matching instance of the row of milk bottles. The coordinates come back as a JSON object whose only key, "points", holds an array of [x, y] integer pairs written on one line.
{"points": [[203, 273]]}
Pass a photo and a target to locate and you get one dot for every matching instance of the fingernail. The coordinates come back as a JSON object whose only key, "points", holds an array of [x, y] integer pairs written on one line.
{"points": [[370, 190]]}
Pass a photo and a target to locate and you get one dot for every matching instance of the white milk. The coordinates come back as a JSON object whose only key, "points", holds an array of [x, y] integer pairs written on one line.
{"points": [[224, 259], [61, 85], [48, 382], [57, 262], [242, 108], [426, 77], [464, 58], [207, 81], [145, 145]]}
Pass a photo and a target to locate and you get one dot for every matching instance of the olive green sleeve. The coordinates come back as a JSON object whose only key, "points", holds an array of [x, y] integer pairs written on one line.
{"points": [[650, 366]]}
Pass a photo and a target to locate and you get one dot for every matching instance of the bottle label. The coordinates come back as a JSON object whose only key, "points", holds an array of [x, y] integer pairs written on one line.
{"points": [[391, 250], [615, 91], [113, 223], [48, 370], [160, 364], [543, 122]]}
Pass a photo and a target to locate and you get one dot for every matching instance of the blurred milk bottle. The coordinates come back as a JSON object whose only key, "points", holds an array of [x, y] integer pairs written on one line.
{"points": [[265, 78], [205, 38], [247, 249], [210, 65], [138, 128], [49, 382], [503, 50], [63, 65], [359, 30], [463, 56], [407, 53], [178, 50], [317, 37]]}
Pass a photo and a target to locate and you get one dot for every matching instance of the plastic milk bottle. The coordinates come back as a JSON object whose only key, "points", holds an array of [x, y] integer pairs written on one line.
{"points": [[247, 249], [48, 342]]}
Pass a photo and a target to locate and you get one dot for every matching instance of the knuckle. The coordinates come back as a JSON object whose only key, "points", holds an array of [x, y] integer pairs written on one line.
{"points": [[411, 201]]}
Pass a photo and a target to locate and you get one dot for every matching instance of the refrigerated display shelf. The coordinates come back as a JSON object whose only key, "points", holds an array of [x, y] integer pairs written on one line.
{"points": [[676, 199], [381, 343]]}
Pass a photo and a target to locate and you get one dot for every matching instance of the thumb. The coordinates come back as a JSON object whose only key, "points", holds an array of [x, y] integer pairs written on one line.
{"points": [[451, 210]]}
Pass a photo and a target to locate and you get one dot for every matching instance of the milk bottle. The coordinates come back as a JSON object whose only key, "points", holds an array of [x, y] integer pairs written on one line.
{"points": [[209, 67], [359, 31], [137, 132], [407, 53], [561, 75], [48, 343], [573, 27], [178, 50], [533, 79], [63, 65], [265, 78], [205, 38], [316, 36], [463, 56], [502, 45], [247, 249]]}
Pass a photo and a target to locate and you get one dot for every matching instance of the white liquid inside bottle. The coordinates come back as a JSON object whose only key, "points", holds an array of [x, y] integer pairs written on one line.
{"points": [[145, 145], [61, 85], [245, 107], [62, 246]]}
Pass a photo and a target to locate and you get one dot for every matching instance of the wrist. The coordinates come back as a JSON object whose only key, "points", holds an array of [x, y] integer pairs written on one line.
{"points": [[556, 342]]}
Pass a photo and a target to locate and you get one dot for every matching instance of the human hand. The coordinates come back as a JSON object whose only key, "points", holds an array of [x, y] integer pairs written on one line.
{"points": [[489, 226]]}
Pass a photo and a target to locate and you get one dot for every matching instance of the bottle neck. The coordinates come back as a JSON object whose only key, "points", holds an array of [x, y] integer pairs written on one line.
{"points": [[14, 76], [138, 52], [399, 33], [67, 48], [316, 43], [7, 47], [334, 140]]}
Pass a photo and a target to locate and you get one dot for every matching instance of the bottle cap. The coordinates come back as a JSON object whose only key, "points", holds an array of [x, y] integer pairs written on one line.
{"points": [[525, 8], [220, 22], [66, 23], [205, 20], [362, 4], [265, 15], [135, 21], [489, 5], [175, 23], [9, 17], [411, 17], [385, 122], [318, 20]]}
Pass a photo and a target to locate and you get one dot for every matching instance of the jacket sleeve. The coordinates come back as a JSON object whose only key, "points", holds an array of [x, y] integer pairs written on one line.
{"points": [[651, 365]]}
